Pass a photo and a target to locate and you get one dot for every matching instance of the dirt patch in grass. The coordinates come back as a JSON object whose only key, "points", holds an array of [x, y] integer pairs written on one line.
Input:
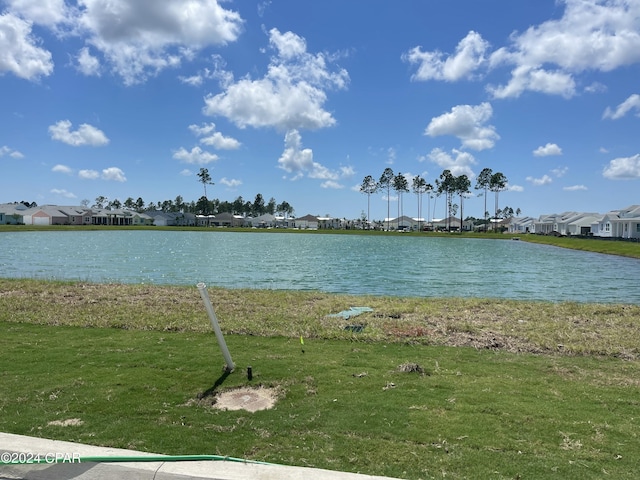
{"points": [[69, 422], [250, 399]]}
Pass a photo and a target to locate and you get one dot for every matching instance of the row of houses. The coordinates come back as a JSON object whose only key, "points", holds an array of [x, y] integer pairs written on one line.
{"points": [[20, 214], [623, 223]]}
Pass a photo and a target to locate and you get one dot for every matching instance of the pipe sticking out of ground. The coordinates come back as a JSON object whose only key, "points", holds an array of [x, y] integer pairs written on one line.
{"points": [[216, 326]]}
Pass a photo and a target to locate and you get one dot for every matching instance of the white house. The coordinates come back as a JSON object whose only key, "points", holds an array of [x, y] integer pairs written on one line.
{"points": [[623, 223]]}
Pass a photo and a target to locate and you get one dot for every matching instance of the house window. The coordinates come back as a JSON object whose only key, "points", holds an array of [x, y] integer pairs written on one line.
{"points": [[607, 227], [637, 227]]}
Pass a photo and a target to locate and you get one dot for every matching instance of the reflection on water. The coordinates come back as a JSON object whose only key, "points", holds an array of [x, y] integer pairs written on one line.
{"points": [[355, 264]]}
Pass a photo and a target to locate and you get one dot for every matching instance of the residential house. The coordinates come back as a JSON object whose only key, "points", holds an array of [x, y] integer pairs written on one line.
{"points": [[226, 219], [308, 222], [623, 223], [263, 221], [12, 213], [329, 223], [77, 215], [521, 224]]}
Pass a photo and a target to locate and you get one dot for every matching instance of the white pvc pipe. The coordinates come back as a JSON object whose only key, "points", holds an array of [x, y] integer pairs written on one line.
{"points": [[216, 327]]}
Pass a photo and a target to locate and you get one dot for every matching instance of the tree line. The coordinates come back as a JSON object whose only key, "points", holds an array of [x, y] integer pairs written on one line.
{"points": [[203, 206], [447, 185]]}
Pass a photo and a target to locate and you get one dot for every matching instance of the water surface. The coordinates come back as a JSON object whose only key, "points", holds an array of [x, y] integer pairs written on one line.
{"points": [[354, 264]]}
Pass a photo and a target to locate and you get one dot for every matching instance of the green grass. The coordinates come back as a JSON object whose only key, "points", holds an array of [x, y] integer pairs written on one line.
{"points": [[473, 414], [509, 390]]}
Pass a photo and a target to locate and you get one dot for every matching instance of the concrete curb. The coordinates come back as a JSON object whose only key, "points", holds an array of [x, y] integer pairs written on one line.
{"points": [[183, 470]]}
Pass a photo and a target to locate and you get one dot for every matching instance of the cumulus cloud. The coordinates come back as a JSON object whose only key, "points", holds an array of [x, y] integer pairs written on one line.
{"points": [[113, 173], [295, 159], [575, 188], [547, 150], [458, 162], [560, 171], [544, 180], [133, 39], [468, 57], [62, 169], [196, 156], [214, 139], [231, 183], [89, 174], [19, 50], [631, 103], [43, 12], [289, 97], [63, 193], [546, 58], [110, 174], [623, 168], [87, 64], [9, 152], [85, 134], [299, 161], [468, 123]]}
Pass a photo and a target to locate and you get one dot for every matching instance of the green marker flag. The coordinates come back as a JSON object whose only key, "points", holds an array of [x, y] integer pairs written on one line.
{"points": [[301, 340]]}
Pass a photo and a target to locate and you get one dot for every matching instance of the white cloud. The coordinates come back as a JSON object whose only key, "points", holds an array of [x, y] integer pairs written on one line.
{"points": [[544, 180], [631, 103], [186, 172], [575, 188], [85, 135], [515, 188], [196, 156], [113, 173], [289, 97], [547, 150], [63, 193], [62, 169], [466, 122], [109, 174], [212, 138], [4, 150], [87, 64], [299, 161], [458, 162], [332, 185], [600, 35], [623, 168], [139, 39], [43, 12], [560, 171], [295, 159], [88, 174], [19, 51], [468, 57], [231, 183]]}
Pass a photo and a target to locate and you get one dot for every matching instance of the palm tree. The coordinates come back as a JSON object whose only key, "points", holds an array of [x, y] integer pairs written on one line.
{"points": [[446, 185], [386, 181], [462, 184], [482, 183], [400, 185], [497, 184], [369, 186], [419, 186], [205, 179]]}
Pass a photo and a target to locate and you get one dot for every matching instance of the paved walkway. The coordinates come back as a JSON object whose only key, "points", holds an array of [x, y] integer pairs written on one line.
{"points": [[153, 470]]}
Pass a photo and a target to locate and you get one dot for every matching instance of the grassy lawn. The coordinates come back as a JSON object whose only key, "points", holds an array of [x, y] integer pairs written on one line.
{"points": [[503, 389]]}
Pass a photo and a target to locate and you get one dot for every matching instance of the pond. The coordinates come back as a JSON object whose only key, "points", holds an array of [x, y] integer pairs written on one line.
{"points": [[398, 266]]}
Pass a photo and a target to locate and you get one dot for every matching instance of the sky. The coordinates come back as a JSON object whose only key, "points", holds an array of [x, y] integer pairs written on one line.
{"points": [[300, 100]]}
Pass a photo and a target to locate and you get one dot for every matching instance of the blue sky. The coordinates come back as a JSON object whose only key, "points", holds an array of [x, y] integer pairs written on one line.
{"points": [[300, 101]]}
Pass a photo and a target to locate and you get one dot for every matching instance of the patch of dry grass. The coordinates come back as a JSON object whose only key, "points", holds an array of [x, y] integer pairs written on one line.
{"points": [[567, 328]]}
